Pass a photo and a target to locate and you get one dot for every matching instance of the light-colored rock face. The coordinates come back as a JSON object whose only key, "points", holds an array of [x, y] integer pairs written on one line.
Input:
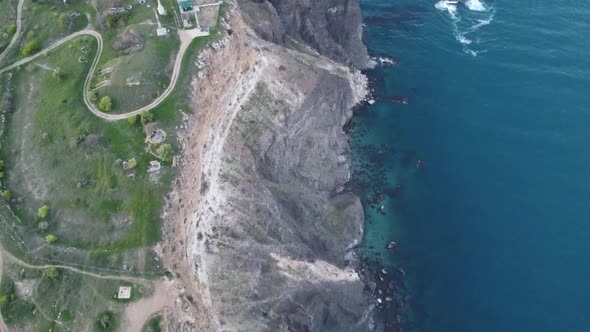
{"points": [[261, 226]]}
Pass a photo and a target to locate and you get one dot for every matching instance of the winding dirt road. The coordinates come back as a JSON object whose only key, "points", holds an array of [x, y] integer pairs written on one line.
{"points": [[22, 263], [186, 38], [19, 11]]}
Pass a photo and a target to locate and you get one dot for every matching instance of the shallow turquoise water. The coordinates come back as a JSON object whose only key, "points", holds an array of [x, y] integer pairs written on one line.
{"points": [[494, 232]]}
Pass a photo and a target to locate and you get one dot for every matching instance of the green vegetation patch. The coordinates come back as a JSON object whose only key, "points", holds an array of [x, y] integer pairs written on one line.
{"points": [[7, 22], [44, 298], [65, 167], [140, 67], [154, 324], [15, 309]]}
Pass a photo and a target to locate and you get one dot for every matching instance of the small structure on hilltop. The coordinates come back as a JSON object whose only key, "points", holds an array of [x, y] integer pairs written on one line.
{"points": [[155, 166], [156, 136], [161, 32], [116, 10], [185, 5], [124, 293]]}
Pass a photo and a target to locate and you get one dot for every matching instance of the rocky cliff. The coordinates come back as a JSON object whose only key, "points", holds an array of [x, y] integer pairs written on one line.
{"points": [[259, 224], [331, 27]]}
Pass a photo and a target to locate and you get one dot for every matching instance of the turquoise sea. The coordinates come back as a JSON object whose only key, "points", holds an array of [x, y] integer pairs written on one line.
{"points": [[494, 230]]}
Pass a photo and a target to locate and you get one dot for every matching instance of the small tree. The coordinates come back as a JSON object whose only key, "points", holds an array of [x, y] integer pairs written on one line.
{"points": [[92, 96], [164, 152], [63, 20], [146, 117], [43, 212], [6, 193], [131, 163], [1, 175], [11, 29], [31, 47], [51, 273], [50, 239], [1, 164], [132, 119], [105, 104]]}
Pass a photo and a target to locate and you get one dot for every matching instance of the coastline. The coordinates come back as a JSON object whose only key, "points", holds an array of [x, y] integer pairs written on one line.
{"points": [[205, 229]]}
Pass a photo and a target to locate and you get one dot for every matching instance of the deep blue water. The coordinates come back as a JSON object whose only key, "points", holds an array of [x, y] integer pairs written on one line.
{"points": [[494, 232]]}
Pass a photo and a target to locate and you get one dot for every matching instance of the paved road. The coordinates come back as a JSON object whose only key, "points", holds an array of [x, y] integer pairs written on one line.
{"points": [[19, 11], [185, 40]]}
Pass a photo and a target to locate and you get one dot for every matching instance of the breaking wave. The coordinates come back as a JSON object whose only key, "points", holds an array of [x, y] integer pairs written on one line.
{"points": [[467, 18]]}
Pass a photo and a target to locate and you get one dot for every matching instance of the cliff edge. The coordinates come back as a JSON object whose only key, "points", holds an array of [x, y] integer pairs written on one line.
{"points": [[332, 27], [258, 224]]}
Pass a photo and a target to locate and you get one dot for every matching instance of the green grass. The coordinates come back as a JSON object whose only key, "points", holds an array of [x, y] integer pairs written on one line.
{"points": [[58, 153], [94, 204], [151, 67], [71, 302], [7, 18], [154, 324], [42, 24], [15, 310]]}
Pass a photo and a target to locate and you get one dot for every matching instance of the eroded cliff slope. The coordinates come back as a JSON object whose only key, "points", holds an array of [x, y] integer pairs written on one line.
{"points": [[259, 223]]}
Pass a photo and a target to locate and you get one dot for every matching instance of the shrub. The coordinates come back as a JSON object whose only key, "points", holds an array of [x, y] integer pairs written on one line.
{"points": [[43, 212], [31, 47], [1, 175], [164, 152], [92, 96], [116, 20], [6, 193], [63, 20], [106, 322], [11, 29], [132, 119], [1, 164], [51, 273], [146, 117], [50, 239], [131, 163], [105, 104]]}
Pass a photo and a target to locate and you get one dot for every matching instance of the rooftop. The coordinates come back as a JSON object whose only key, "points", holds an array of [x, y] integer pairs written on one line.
{"points": [[124, 292]]}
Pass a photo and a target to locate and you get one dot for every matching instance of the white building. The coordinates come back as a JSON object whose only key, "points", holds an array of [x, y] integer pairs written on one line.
{"points": [[124, 293], [161, 32]]}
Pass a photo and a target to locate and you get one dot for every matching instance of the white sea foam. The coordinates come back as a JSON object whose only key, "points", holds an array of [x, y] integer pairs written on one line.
{"points": [[463, 23], [481, 23], [444, 6], [475, 5], [462, 39]]}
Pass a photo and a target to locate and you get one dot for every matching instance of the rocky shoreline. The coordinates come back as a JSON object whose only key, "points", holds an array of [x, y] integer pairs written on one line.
{"points": [[259, 222]]}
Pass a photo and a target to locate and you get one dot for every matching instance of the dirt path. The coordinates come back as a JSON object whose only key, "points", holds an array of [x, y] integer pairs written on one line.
{"points": [[3, 327], [139, 312], [73, 269], [19, 11], [186, 37]]}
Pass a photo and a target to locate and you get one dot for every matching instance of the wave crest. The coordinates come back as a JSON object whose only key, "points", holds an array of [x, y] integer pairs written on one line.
{"points": [[467, 24]]}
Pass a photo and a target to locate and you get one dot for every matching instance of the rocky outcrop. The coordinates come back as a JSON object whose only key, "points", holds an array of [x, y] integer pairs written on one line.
{"points": [[331, 27], [259, 224]]}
